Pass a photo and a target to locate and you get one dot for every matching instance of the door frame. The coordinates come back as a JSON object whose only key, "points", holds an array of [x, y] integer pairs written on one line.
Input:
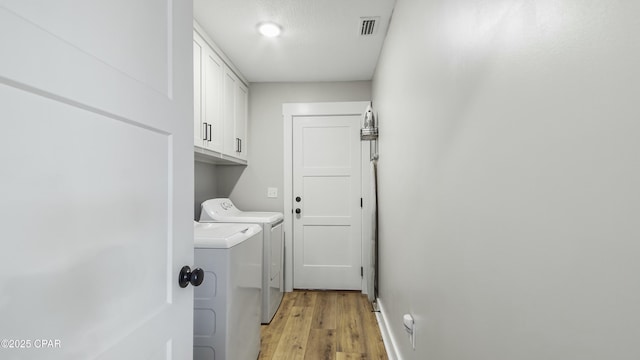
{"points": [[291, 111]]}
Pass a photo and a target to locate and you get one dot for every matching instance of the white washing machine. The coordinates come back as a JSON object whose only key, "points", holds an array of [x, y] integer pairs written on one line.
{"points": [[223, 210], [228, 303]]}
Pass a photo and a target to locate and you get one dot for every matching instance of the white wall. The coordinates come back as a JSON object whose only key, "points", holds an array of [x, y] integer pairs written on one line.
{"points": [[205, 185], [247, 187], [509, 178]]}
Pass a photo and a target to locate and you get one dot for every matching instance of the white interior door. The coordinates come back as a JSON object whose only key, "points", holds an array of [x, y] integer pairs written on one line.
{"points": [[97, 179], [327, 192]]}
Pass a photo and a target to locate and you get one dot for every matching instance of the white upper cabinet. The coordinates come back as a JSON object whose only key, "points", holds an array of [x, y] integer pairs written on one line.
{"points": [[242, 103], [208, 70], [230, 84], [220, 107], [235, 115], [198, 132], [212, 119]]}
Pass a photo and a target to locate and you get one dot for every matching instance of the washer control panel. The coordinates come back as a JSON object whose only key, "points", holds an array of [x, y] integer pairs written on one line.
{"points": [[226, 205], [217, 209]]}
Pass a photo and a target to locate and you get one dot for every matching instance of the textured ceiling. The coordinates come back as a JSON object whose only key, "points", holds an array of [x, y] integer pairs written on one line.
{"points": [[320, 40]]}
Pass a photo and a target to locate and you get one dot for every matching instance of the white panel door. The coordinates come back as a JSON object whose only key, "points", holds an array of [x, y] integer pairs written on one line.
{"points": [[96, 179], [326, 192]]}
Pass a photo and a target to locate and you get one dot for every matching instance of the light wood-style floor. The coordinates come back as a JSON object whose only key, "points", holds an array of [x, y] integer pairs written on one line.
{"points": [[323, 325]]}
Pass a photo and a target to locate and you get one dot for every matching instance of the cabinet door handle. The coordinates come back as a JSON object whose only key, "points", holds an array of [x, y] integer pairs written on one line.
{"points": [[205, 131], [210, 136], [237, 144]]}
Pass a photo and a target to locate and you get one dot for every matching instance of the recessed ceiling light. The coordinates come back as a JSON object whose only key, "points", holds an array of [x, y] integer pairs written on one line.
{"points": [[269, 29]]}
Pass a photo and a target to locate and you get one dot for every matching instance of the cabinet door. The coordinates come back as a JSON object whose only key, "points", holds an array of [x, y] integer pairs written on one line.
{"points": [[212, 121], [236, 97], [230, 84], [241, 97], [198, 51]]}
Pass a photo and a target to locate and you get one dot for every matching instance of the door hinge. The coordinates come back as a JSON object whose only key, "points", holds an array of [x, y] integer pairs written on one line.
{"points": [[361, 272], [360, 202]]}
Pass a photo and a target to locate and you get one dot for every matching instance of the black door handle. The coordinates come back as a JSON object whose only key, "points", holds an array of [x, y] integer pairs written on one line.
{"points": [[187, 277], [298, 211], [298, 199]]}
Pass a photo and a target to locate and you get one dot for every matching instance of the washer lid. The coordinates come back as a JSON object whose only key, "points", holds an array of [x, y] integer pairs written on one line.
{"points": [[222, 236], [223, 210]]}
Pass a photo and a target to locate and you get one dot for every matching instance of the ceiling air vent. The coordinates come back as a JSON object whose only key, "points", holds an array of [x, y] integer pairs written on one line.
{"points": [[368, 25]]}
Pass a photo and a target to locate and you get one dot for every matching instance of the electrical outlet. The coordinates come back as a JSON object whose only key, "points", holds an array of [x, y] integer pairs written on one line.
{"points": [[410, 327], [272, 192]]}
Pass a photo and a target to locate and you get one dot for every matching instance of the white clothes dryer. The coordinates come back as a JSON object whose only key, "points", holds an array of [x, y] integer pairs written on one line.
{"points": [[224, 211], [228, 303]]}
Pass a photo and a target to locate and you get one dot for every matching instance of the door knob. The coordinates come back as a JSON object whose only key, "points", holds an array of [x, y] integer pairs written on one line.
{"points": [[298, 211], [187, 276], [298, 199]]}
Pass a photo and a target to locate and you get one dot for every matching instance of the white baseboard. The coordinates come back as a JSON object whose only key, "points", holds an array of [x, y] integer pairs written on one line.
{"points": [[390, 343]]}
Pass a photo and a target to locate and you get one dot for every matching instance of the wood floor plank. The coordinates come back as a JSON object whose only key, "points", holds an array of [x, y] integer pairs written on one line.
{"points": [[321, 345], [306, 298], [350, 356], [350, 329], [293, 340], [301, 329], [324, 316], [372, 338], [270, 334]]}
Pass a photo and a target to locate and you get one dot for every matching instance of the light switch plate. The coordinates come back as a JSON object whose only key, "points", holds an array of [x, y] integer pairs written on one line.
{"points": [[272, 192]]}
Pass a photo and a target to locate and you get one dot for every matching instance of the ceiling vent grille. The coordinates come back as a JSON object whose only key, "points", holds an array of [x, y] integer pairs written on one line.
{"points": [[368, 25]]}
